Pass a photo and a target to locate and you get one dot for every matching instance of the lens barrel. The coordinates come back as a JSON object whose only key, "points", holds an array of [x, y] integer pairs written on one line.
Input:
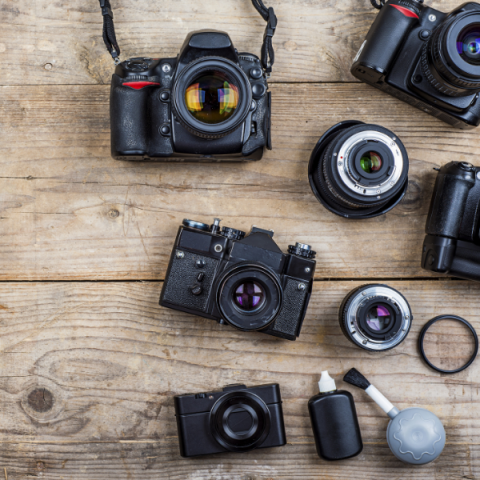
{"points": [[249, 297], [451, 58], [211, 97], [375, 317], [359, 170]]}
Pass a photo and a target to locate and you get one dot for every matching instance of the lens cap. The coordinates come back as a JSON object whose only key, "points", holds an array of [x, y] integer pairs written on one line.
{"points": [[240, 421]]}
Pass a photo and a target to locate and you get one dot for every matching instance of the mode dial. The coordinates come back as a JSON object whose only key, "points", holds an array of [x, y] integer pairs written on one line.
{"points": [[232, 234], [302, 250]]}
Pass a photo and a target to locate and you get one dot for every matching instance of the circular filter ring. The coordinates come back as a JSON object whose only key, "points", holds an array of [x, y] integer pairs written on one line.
{"points": [[427, 327]]}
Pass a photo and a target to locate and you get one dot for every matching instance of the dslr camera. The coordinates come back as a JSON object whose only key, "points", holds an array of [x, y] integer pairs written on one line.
{"points": [[427, 58], [245, 281], [210, 103], [452, 244], [236, 419]]}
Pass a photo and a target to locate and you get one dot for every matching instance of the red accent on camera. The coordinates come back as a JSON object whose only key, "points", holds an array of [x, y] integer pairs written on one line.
{"points": [[405, 11], [139, 85]]}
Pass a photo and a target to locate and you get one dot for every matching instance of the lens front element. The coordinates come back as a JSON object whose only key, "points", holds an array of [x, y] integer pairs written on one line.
{"points": [[468, 44], [249, 296], [212, 97], [371, 162]]}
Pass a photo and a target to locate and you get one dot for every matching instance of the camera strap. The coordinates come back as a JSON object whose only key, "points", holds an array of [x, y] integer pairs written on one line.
{"points": [[267, 54], [378, 5]]}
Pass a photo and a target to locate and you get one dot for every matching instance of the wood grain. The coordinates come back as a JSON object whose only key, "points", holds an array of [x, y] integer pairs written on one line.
{"points": [[61, 42], [112, 359], [68, 211]]}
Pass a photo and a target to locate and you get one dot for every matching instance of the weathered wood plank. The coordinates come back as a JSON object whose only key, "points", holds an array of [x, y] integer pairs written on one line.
{"points": [[112, 359], [68, 211], [61, 42]]}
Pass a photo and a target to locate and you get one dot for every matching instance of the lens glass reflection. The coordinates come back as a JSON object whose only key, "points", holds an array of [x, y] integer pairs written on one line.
{"points": [[249, 296], [371, 162], [212, 97], [468, 44], [379, 318]]}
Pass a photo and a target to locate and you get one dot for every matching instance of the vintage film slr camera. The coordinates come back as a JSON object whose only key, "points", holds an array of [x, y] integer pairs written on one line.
{"points": [[452, 244], [245, 281], [210, 103], [427, 58], [236, 419]]}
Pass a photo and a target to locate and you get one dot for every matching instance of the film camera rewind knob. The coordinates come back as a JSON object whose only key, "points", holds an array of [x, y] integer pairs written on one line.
{"points": [[232, 234], [302, 250]]}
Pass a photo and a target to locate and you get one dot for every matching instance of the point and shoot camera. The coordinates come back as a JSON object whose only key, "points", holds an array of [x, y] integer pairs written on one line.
{"points": [[245, 281], [452, 244], [427, 58], [236, 419], [210, 103]]}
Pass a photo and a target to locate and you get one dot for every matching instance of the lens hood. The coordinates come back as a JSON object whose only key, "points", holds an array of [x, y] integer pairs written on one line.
{"points": [[349, 192]]}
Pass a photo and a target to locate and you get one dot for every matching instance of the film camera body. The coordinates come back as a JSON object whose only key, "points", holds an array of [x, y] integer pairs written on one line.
{"points": [[245, 281], [236, 419], [452, 244], [210, 103], [427, 58]]}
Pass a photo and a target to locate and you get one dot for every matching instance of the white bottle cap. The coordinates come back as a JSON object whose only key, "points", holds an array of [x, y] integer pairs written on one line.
{"points": [[326, 383]]}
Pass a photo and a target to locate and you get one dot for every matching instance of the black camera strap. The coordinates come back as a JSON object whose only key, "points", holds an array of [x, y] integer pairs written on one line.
{"points": [[267, 54], [378, 5]]}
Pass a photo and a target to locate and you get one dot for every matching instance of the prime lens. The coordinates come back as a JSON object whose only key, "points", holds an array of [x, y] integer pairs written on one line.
{"points": [[211, 97], [375, 317], [451, 58], [359, 170]]}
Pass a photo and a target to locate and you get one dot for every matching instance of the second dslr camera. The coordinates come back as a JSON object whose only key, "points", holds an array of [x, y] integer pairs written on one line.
{"points": [[209, 103], [427, 58], [245, 281]]}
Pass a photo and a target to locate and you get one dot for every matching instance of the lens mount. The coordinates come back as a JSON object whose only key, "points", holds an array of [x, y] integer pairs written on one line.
{"points": [[244, 433], [255, 315], [448, 70], [194, 71], [375, 317], [359, 170]]}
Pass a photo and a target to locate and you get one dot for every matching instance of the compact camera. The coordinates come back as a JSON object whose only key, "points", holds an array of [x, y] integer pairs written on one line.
{"points": [[427, 58], [452, 244], [245, 281], [236, 419], [210, 103]]}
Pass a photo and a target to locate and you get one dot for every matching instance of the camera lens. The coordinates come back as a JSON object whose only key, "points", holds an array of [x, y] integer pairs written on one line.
{"points": [[375, 317], [451, 58], [359, 170], [468, 44], [249, 297], [240, 421], [212, 97]]}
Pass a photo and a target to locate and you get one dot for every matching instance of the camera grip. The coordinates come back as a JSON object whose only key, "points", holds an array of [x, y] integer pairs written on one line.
{"points": [[386, 35], [452, 186], [128, 117]]}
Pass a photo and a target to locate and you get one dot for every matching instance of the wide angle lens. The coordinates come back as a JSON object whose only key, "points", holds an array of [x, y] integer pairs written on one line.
{"points": [[468, 44], [212, 97]]}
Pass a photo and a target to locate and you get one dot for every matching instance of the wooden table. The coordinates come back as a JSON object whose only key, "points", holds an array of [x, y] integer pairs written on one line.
{"points": [[90, 362]]}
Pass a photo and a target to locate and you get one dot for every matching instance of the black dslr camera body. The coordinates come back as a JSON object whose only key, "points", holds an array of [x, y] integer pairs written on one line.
{"points": [[427, 58], [245, 281], [208, 104], [236, 419], [452, 244]]}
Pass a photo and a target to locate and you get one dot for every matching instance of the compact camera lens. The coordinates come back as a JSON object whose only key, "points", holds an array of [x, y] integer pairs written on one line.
{"points": [[212, 97], [240, 421], [358, 170], [468, 44], [375, 317], [249, 296]]}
